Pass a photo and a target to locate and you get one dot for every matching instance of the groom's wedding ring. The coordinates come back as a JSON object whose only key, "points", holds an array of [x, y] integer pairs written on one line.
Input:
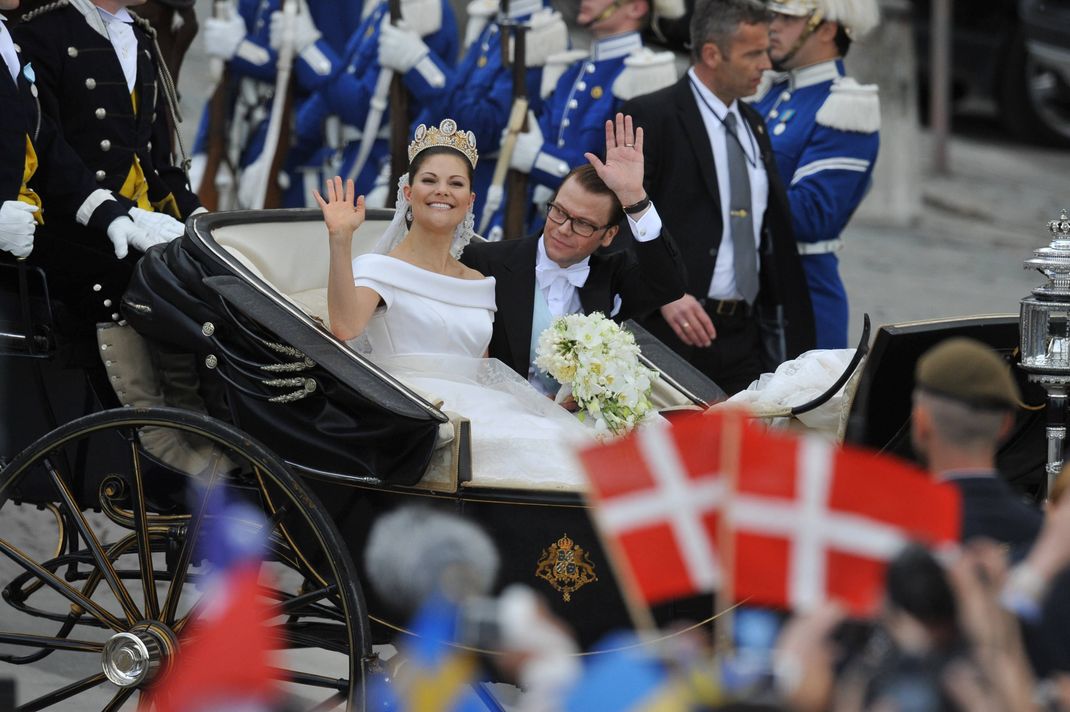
{"points": [[685, 325], [629, 145]]}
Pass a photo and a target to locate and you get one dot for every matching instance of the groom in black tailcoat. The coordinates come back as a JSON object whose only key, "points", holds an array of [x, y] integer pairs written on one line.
{"points": [[562, 272]]}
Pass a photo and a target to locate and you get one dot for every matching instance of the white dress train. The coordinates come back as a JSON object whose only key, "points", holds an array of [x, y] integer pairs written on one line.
{"points": [[431, 333]]}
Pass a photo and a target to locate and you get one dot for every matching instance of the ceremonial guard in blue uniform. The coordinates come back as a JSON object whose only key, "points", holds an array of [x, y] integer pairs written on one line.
{"points": [[96, 75], [584, 89], [480, 87], [357, 94], [824, 127], [248, 38]]}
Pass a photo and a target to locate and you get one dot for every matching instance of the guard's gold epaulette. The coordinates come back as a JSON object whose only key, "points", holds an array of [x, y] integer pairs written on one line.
{"points": [[851, 107], [27, 16]]}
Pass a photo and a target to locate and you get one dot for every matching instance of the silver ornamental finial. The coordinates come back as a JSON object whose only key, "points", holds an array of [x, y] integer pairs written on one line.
{"points": [[1061, 228]]}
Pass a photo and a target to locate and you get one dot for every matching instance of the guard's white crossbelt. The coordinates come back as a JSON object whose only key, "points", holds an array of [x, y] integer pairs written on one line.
{"points": [[842, 163]]}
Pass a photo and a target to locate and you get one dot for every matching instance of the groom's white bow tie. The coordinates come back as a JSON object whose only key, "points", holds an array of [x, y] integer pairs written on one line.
{"points": [[555, 276]]}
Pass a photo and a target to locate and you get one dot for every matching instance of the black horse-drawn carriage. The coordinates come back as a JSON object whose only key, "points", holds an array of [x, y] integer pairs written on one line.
{"points": [[99, 526]]}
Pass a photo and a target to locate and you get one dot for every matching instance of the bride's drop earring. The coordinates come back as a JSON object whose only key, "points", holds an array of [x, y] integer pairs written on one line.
{"points": [[408, 214]]}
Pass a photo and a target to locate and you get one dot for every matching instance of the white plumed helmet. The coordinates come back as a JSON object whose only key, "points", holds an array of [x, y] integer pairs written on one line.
{"points": [[857, 17]]}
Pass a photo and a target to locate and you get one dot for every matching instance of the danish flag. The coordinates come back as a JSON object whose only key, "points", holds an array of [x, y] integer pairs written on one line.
{"points": [[798, 519]]}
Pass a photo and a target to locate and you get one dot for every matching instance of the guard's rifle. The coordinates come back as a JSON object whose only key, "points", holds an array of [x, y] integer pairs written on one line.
{"points": [[389, 92], [277, 140], [512, 185], [399, 120], [216, 155], [516, 182]]}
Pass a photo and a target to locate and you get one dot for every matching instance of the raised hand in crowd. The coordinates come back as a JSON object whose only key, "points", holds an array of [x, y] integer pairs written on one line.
{"points": [[1006, 680], [804, 660]]}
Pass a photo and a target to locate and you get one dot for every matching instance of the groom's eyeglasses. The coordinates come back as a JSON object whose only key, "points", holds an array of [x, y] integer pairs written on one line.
{"points": [[579, 226]]}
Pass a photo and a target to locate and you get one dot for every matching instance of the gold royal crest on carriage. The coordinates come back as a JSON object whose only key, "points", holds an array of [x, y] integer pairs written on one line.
{"points": [[565, 566]]}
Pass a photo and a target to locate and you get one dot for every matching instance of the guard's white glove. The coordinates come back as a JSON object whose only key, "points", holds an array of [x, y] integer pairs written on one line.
{"points": [[17, 227], [124, 234], [252, 184], [305, 32], [162, 227], [528, 145], [223, 36], [400, 48]]}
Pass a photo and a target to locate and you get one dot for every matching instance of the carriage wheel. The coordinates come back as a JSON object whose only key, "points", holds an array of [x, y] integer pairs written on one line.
{"points": [[97, 620]]}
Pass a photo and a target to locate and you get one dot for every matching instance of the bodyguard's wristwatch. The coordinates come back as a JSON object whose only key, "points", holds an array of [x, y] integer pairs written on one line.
{"points": [[637, 207]]}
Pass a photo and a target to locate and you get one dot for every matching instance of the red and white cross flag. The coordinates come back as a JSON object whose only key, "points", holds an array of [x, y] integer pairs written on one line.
{"points": [[805, 520]]}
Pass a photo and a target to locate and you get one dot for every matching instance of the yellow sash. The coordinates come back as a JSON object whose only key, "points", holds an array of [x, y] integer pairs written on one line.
{"points": [[136, 186], [26, 193]]}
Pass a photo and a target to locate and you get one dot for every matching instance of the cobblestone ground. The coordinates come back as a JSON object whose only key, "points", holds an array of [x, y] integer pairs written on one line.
{"points": [[976, 226]]}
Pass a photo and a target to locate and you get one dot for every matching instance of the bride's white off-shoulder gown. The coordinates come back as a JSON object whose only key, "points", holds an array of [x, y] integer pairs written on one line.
{"points": [[432, 332]]}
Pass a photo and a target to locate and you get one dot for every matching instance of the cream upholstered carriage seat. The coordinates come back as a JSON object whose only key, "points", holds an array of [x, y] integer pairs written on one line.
{"points": [[292, 256]]}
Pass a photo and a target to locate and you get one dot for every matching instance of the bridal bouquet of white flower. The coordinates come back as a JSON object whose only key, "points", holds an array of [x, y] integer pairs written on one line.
{"points": [[600, 362]]}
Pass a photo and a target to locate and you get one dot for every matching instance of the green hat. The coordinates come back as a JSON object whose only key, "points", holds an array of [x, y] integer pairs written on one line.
{"points": [[967, 371]]}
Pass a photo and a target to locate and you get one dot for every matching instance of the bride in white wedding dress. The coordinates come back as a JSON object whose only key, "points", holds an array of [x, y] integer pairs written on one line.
{"points": [[427, 319]]}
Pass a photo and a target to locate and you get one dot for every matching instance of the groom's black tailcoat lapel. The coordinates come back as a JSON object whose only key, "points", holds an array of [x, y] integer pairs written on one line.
{"points": [[512, 264], [621, 284]]}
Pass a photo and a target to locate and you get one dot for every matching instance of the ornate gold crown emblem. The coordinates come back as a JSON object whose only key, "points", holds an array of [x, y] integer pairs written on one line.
{"points": [[445, 134], [566, 567]]}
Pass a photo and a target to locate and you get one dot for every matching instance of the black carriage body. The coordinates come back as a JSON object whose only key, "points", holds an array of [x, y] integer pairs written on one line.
{"points": [[286, 381], [546, 541], [361, 438]]}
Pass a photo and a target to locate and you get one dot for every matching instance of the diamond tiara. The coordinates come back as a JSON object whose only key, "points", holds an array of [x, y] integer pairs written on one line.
{"points": [[445, 134]]}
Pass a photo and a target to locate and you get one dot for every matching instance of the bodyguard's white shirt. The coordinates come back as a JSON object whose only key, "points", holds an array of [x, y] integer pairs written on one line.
{"points": [[121, 33], [723, 283], [567, 300], [7, 51]]}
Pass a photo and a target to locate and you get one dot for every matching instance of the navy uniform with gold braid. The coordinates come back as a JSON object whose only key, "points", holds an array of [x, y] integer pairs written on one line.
{"points": [[123, 138], [38, 166]]}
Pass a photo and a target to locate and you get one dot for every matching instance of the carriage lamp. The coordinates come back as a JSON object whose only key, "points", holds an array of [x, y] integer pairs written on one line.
{"points": [[1044, 333]]}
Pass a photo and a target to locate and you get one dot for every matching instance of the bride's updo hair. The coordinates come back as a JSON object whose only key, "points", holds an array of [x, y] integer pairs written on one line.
{"points": [[414, 165]]}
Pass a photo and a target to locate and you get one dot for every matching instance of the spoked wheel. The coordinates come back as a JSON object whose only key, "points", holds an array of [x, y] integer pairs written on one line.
{"points": [[102, 573]]}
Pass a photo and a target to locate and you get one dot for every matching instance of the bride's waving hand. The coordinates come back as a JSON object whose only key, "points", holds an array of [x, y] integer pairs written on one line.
{"points": [[349, 308]]}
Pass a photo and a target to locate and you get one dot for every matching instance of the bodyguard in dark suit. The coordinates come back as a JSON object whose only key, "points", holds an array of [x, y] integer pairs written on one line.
{"points": [[964, 403], [710, 169], [563, 272]]}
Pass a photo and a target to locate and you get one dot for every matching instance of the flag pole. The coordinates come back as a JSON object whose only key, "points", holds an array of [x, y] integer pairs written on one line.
{"points": [[731, 451], [639, 613]]}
